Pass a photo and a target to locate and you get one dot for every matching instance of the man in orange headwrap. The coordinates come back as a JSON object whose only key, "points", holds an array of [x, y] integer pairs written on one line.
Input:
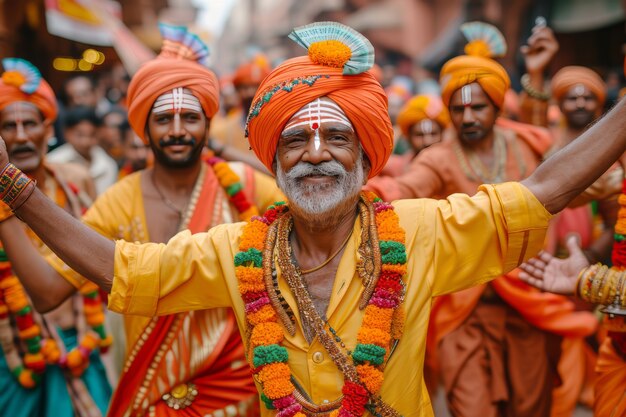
{"points": [[497, 343], [187, 363], [33, 381], [228, 130], [332, 292]]}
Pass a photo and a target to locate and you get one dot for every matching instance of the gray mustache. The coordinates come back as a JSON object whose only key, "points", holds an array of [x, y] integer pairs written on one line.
{"points": [[328, 168]]}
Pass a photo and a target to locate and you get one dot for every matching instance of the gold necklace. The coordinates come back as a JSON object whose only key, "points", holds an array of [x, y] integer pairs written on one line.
{"points": [[475, 169], [330, 258]]}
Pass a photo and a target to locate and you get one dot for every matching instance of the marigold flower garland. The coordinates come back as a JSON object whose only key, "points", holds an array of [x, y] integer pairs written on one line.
{"points": [[231, 183], [381, 321], [617, 324]]}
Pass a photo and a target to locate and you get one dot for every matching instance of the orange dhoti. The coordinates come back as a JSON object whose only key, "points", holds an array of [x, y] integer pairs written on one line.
{"points": [[610, 388]]}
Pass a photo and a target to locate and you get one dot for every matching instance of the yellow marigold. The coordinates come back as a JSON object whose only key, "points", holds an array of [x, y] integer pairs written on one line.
{"points": [[9, 282], [13, 78], [331, 53], [371, 377], [253, 236], [478, 47], [95, 319], [397, 325], [277, 388], [334, 413], [50, 351], [374, 336], [267, 334], [225, 175], [622, 199], [90, 341], [398, 268], [377, 318], [272, 371], [263, 315]]}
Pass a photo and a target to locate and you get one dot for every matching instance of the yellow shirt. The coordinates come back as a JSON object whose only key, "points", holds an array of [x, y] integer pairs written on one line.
{"points": [[119, 213], [451, 245]]}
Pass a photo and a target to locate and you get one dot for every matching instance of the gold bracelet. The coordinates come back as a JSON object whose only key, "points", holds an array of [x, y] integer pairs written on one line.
{"points": [[596, 284], [586, 281], [531, 91], [608, 291]]}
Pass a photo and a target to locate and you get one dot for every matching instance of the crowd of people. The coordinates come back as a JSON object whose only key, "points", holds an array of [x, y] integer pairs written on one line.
{"points": [[471, 243]]}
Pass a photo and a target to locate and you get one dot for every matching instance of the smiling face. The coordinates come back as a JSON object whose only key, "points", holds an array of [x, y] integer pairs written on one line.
{"points": [[472, 113], [177, 129], [319, 161], [26, 134]]}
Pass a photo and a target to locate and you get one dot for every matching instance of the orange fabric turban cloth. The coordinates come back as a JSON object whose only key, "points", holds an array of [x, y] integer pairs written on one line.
{"points": [[299, 81], [422, 107], [43, 98], [252, 72], [568, 77], [161, 75], [468, 69]]}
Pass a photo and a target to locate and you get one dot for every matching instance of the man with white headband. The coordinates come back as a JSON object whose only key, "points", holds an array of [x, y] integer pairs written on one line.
{"points": [[189, 363], [333, 297]]}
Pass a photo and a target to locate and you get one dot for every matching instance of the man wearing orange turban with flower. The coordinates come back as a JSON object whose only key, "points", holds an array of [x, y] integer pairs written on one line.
{"points": [[192, 363], [478, 334], [31, 378], [332, 291]]}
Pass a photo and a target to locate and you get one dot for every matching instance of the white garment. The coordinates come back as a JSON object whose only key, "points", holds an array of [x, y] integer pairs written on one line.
{"points": [[102, 168]]}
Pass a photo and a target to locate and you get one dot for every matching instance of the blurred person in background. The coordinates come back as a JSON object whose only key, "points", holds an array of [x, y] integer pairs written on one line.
{"points": [[110, 133]]}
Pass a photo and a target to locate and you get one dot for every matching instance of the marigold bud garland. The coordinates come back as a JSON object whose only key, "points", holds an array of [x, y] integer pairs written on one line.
{"points": [[382, 320], [231, 183]]}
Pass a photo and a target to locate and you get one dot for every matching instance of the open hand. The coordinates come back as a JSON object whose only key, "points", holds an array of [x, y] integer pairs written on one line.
{"points": [[552, 274], [539, 50]]}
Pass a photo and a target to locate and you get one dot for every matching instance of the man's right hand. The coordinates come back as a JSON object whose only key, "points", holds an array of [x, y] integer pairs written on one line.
{"points": [[539, 50]]}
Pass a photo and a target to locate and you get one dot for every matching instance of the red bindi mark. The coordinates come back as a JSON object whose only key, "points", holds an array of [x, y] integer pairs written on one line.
{"points": [[315, 126]]}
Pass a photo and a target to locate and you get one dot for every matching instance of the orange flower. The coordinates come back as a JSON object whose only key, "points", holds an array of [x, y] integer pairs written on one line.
{"points": [[246, 288], [277, 388], [30, 332], [397, 268], [371, 377], [267, 334], [253, 236], [225, 175], [377, 318], [263, 315], [249, 275], [374, 336], [14, 78], [26, 379], [275, 371], [331, 53]]}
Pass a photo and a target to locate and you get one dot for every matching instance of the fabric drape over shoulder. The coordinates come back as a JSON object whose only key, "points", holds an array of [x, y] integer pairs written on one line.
{"points": [[299, 81]]}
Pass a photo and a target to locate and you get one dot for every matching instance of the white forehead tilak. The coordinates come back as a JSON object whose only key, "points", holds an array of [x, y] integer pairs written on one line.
{"points": [[176, 100], [315, 113], [466, 95]]}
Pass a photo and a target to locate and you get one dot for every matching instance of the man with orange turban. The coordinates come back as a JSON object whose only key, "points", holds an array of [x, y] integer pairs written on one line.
{"points": [[191, 363], [228, 130], [32, 380], [482, 335], [332, 291]]}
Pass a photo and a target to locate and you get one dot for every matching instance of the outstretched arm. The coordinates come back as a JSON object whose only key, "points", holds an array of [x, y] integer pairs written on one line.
{"points": [[44, 285], [575, 167], [83, 249]]}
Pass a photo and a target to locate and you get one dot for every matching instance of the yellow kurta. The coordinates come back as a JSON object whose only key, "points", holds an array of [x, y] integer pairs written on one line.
{"points": [[451, 244], [119, 213]]}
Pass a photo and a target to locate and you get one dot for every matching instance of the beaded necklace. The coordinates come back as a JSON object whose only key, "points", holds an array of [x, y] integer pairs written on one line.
{"points": [[383, 318]]}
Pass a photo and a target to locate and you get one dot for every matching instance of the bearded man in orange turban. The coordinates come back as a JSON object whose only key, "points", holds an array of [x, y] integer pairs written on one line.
{"points": [[191, 363], [482, 335], [333, 290], [29, 378]]}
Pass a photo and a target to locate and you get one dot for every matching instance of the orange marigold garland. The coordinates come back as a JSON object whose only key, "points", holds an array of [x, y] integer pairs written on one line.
{"points": [[231, 183], [382, 321]]}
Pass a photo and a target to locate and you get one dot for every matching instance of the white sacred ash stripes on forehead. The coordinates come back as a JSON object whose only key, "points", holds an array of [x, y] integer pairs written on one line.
{"points": [[466, 95], [315, 113], [176, 100]]}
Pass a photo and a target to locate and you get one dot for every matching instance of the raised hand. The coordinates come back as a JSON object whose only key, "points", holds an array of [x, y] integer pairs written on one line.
{"points": [[552, 274], [539, 50]]}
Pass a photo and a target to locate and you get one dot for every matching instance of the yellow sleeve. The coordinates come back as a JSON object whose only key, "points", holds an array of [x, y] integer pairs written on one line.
{"points": [[472, 240], [190, 272], [266, 192]]}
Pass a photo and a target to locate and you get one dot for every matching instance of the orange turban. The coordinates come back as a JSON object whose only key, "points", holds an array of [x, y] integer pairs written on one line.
{"points": [[180, 64], [297, 82], [468, 69], [422, 107], [568, 77], [43, 98], [252, 72]]}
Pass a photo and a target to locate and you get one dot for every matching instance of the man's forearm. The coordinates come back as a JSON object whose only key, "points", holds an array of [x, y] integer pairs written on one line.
{"points": [[575, 167], [83, 249]]}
